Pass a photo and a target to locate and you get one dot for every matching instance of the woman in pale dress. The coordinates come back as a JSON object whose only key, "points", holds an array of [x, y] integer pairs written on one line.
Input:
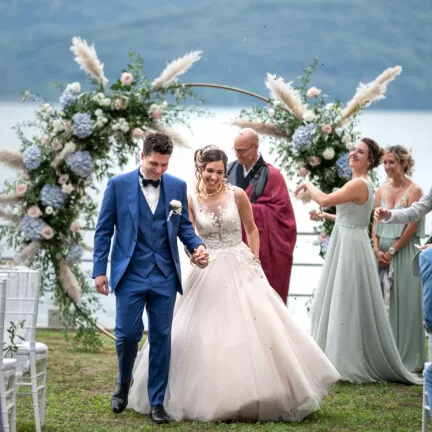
{"points": [[237, 353], [394, 246], [349, 320]]}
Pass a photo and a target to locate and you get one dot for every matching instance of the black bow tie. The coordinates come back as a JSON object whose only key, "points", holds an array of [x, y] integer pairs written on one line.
{"points": [[146, 182]]}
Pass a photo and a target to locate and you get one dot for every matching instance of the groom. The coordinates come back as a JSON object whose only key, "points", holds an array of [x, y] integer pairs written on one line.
{"points": [[146, 210]]}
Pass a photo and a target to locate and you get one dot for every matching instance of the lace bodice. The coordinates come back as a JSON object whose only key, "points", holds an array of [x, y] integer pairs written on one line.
{"points": [[218, 224], [352, 215]]}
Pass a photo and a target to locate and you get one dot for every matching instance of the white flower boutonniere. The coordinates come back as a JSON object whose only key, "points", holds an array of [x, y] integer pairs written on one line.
{"points": [[176, 208]]}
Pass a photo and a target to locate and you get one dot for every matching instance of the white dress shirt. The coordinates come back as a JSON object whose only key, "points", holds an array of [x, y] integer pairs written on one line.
{"points": [[151, 194], [246, 172]]}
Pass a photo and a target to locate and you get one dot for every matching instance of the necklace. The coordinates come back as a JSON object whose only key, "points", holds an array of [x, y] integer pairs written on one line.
{"points": [[212, 194]]}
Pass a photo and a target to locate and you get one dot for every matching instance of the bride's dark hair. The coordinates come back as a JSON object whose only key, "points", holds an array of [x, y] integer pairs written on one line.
{"points": [[209, 154]]}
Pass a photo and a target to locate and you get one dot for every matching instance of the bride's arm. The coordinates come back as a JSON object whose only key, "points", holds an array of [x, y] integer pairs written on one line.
{"points": [[354, 191], [246, 216]]}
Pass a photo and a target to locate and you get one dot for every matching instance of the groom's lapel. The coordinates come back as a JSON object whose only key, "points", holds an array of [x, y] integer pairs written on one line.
{"points": [[133, 196], [167, 192]]}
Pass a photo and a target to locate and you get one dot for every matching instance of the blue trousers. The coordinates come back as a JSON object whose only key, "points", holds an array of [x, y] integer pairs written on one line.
{"points": [[158, 294], [425, 263]]}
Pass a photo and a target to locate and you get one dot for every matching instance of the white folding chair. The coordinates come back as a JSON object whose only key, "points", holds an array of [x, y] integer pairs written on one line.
{"points": [[22, 304], [8, 369]]}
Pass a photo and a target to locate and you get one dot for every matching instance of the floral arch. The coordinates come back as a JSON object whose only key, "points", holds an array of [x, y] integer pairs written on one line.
{"points": [[48, 203]]}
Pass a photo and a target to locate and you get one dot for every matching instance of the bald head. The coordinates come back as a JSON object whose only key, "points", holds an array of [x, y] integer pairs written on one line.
{"points": [[248, 135], [246, 146]]}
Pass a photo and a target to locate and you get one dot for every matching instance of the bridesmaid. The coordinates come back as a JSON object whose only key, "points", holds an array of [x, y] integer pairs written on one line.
{"points": [[349, 321], [394, 246]]}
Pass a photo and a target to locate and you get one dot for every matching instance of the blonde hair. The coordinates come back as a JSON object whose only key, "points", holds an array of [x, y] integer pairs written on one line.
{"points": [[402, 154]]}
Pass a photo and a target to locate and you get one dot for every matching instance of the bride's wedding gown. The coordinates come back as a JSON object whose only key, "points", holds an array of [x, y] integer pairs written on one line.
{"points": [[237, 353]]}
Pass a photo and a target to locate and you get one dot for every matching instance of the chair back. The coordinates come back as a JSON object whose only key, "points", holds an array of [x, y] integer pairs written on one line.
{"points": [[22, 302]]}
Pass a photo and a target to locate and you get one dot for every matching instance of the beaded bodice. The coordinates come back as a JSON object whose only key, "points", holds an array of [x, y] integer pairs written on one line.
{"points": [[218, 222]]}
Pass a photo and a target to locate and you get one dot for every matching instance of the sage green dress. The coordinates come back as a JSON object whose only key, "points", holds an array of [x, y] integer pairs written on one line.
{"points": [[349, 321], [406, 311]]}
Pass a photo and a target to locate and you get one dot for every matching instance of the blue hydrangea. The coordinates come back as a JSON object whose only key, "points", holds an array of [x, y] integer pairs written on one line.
{"points": [[302, 137], [82, 125], [74, 253], [52, 196], [81, 163], [31, 227], [344, 170], [324, 245], [67, 98], [32, 157]]}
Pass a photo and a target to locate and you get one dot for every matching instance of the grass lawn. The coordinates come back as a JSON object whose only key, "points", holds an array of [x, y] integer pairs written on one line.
{"points": [[80, 386]]}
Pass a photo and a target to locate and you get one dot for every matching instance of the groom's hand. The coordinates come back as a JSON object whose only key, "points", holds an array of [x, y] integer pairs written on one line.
{"points": [[101, 284], [200, 256]]}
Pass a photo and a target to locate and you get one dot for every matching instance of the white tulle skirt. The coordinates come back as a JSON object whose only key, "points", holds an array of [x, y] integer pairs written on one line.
{"points": [[237, 353]]}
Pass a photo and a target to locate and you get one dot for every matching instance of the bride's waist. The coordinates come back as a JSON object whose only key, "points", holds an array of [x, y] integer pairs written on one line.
{"points": [[224, 246]]}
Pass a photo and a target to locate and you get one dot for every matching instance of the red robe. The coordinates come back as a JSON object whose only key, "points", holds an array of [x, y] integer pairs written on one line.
{"points": [[274, 217]]}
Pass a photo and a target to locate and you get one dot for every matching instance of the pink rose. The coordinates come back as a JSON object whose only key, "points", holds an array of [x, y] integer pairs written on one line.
{"points": [[68, 125], [156, 113], [34, 211], [323, 237], [327, 129], [126, 79], [74, 227], [47, 233], [63, 179], [57, 145], [314, 161], [303, 172], [313, 92], [120, 104], [45, 139], [21, 188], [138, 133]]}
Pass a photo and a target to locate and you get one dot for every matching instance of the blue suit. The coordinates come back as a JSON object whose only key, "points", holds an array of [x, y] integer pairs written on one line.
{"points": [[145, 269]]}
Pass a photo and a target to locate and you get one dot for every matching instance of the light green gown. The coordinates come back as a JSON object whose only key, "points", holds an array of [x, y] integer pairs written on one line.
{"points": [[349, 320], [406, 312]]}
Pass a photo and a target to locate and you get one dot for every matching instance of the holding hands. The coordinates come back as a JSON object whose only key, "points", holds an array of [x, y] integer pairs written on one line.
{"points": [[200, 257]]}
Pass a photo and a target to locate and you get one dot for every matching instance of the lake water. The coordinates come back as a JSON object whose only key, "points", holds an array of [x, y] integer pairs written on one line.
{"points": [[408, 128]]}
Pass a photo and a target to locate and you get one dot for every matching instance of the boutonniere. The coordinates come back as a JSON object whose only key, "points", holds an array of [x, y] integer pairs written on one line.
{"points": [[176, 208]]}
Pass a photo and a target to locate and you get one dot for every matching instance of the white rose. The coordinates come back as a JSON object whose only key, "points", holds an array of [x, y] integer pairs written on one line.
{"points": [[98, 112], [69, 147], [67, 189], [308, 116], [49, 210], [328, 153], [329, 106], [313, 92], [58, 125], [75, 87], [125, 127], [106, 102]]}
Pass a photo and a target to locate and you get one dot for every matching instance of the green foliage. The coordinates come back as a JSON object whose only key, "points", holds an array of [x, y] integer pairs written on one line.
{"points": [[11, 347]]}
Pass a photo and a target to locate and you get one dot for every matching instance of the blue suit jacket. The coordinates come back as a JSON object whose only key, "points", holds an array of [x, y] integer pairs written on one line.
{"points": [[119, 216]]}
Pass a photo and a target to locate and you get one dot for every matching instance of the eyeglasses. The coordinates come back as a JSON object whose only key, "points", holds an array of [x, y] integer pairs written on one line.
{"points": [[243, 151]]}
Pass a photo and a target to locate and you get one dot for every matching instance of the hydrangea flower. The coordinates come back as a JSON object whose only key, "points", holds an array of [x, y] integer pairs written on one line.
{"points": [[52, 196], [32, 157], [82, 125], [324, 244], [302, 137], [81, 163], [32, 227], [74, 253], [68, 98], [344, 170]]}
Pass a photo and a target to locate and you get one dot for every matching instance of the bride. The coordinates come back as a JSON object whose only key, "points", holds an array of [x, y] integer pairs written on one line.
{"points": [[237, 353]]}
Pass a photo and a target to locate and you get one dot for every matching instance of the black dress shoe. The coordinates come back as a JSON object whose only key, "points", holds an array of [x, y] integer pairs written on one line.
{"points": [[119, 399], [159, 415]]}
